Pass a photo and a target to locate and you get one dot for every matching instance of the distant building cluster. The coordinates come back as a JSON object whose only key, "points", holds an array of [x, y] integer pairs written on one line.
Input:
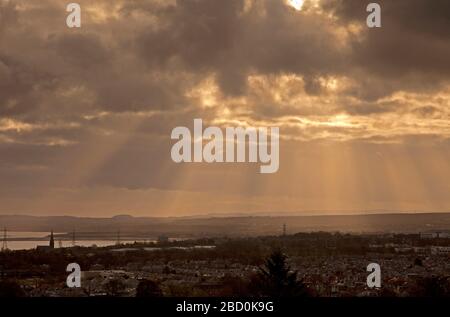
{"points": [[48, 247]]}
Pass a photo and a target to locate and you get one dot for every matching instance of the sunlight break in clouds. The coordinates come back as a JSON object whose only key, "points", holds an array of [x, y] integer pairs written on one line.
{"points": [[364, 115], [296, 4]]}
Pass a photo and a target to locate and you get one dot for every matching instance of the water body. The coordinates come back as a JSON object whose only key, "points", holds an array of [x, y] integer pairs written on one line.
{"points": [[32, 244], [195, 247], [28, 245]]}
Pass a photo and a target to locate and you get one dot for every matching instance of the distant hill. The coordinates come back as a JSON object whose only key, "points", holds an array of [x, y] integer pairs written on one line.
{"points": [[230, 226]]}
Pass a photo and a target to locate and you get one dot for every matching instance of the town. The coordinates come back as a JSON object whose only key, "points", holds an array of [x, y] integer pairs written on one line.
{"points": [[324, 264]]}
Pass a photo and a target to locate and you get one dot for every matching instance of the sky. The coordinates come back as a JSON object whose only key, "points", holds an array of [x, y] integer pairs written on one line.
{"points": [[86, 113]]}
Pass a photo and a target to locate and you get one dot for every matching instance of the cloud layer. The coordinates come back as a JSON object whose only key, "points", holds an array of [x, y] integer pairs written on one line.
{"points": [[86, 114]]}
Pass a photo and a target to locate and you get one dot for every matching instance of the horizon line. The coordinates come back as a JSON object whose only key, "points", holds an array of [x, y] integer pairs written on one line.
{"points": [[246, 215]]}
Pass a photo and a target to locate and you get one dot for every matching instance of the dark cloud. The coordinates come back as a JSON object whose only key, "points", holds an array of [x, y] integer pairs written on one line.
{"points": [[8, 16], [83, 50], [413, 40], [93, 107], [219, 37], [181, 43]]}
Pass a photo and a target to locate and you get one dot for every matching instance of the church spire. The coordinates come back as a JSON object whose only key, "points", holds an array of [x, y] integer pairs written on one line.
{"points": [[52, 240]]}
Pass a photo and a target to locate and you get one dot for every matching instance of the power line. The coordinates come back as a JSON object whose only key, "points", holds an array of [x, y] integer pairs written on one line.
{"points": [[4, 240], [73, 238], [118, 242]]}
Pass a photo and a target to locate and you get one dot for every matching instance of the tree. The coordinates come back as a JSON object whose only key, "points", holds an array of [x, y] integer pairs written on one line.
{"points": [[148, 288], [10, 289], [276, 279], [434, 286], [418, 262], [234, 286], [114, 287]]}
